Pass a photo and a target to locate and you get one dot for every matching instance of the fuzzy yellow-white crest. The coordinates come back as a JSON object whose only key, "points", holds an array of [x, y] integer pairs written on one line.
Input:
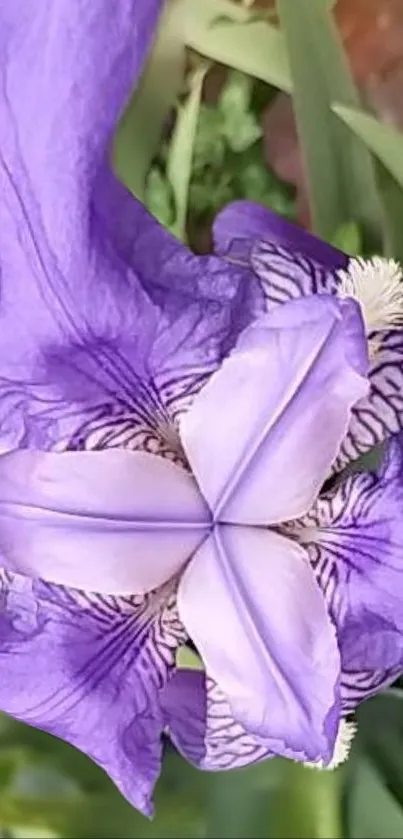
{"points": [[377, 284], [344, 739]]}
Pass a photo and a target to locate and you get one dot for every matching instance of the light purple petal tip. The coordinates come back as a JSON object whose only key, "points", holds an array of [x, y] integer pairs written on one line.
{"points": [[115, 522], [250, 603], [280, 404]]}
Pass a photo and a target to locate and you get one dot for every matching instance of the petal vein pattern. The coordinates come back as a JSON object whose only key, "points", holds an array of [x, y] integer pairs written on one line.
{"points": [[354, 538], [89, 668]]}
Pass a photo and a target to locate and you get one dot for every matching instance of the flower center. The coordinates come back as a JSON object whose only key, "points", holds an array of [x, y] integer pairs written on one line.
{"points": [[377, 284]]}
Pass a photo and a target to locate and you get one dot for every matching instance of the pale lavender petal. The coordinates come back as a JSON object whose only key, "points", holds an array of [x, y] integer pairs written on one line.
{"points": [[114, 521], [263, 433], [354, 538], [202, 727], [88, 669], [258, 226], [250, 603]]}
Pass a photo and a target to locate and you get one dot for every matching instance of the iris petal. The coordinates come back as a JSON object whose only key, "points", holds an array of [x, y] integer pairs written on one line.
{"points": [[88, 359], [290, 262], [251, 604], [201, 725], [88, 669], [115, 522], [280, 402], [262, 228], [354, 538], [380, 414]]}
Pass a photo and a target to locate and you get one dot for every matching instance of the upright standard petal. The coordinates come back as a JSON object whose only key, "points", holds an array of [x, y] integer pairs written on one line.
{"points": [[354, 538], [261, 436], [89, 669], [115, 522], [87, 360], [251, 604]]}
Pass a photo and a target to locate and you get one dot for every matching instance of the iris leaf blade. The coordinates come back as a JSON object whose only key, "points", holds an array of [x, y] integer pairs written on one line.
{"points": [[256, 48], [382, 140], [340, 173], [180, 153], [139, 132]]}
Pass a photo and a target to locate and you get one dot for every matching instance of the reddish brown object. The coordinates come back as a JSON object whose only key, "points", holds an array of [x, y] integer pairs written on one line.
{"points": [[372, 33]]}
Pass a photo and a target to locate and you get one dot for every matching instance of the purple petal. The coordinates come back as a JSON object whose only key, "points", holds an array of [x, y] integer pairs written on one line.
{"points": [[115, 522], [85, 84], [263, 433], [355, 541], [68, 302], [259, 226], [87, 360], [201, 725], [285, 274], [250, 603], [88, 669], [289, 262], [380, 414]]}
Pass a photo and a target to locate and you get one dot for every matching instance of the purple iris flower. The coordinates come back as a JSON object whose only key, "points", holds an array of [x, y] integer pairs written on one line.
{"points": [[167, 423]]}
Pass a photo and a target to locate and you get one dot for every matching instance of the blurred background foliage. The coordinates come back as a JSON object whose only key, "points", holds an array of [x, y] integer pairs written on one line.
{"points": [[297, 105]]}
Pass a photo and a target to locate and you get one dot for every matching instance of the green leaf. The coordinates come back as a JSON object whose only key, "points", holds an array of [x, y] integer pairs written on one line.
{"points": [[201, 13], [339, 172], [187, 659], [308, 804], [180, 152], [348, 238], [53, 788], [256, 48], [239, 124], [387, 145], [238, 804], [372, 812], [275, 799], [210, 192], [385, 142], [159, 198], [210, 144], [380, 738], [391, 195], [141, 125], [256, 183]]}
